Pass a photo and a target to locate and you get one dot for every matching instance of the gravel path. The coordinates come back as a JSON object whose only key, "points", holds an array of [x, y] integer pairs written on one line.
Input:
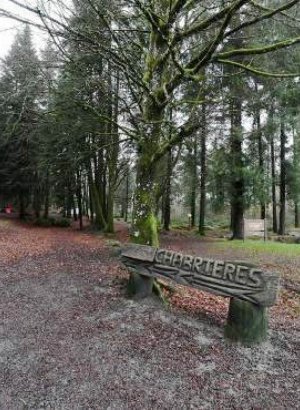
{"points": [[70, 339]]}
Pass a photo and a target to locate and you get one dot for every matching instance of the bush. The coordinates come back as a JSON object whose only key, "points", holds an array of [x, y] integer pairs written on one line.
{"points": [[44, 222], [62, 223], [48, 222]]}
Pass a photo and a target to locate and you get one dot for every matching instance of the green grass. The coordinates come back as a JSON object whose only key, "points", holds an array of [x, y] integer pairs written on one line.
{"points": [[271, 247]]}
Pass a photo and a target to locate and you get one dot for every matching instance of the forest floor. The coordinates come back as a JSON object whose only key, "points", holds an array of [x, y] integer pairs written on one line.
{"points": [[71, 339]]}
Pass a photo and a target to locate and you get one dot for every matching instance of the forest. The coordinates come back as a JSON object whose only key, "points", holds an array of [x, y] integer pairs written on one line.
{"points": [[132, 108], [164, 137]]}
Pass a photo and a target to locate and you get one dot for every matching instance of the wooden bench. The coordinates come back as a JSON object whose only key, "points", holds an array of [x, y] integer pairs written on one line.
{"points": [[251, 290]]}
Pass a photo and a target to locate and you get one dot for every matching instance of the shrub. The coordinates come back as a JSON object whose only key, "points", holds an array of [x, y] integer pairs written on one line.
{"points": [[48, 222], [62, 222], [44, 222]]}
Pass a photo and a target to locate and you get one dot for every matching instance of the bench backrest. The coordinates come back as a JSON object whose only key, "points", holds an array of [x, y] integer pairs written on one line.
{"points": [[233, 279]]}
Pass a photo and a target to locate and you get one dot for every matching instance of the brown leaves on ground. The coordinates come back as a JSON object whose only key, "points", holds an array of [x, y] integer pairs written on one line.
{"points": [[70, 338], [286, 313], [18, 240]]}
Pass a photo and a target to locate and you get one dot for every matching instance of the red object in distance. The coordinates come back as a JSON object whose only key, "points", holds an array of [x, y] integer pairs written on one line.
{"points": [[8, 209]]}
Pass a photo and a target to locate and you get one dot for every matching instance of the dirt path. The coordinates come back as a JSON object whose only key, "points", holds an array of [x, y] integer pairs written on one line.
{"points": [[70, 339]]}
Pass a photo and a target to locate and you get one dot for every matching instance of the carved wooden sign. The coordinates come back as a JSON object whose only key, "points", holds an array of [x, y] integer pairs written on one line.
{"points": [[255, 227], [232, 279]]}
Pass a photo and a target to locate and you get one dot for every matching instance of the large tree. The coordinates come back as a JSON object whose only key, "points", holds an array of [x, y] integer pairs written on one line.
{"points": [[20, 88], [158, 47]]}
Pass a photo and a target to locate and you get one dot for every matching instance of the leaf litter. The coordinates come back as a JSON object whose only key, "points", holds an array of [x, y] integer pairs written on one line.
{"points": [[71, 339]]}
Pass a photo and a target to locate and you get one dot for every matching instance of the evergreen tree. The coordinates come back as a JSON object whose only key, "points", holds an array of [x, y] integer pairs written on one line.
{"points": [[20, 88]]}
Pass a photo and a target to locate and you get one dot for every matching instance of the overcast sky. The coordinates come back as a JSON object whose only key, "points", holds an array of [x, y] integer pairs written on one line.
{"points": [[8, 28]]}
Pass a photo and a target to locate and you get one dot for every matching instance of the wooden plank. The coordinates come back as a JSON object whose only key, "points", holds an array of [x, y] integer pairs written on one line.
{"points": [[139, 252], [232, 279]]}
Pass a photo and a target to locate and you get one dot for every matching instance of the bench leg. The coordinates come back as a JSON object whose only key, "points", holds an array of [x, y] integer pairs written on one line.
{"points": [[139, 286], [246, 323]]}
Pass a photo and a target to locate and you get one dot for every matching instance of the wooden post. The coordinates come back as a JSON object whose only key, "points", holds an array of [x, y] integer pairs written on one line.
{"points": [[139, 286], [246, 323]]}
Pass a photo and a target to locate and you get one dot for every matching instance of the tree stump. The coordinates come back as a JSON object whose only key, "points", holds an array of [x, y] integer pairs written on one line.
{"points": [[139, 286], [246, 323]]}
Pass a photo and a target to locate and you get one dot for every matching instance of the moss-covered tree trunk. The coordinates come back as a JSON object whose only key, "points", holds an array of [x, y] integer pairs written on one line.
{"points": [[145, 225], [154, 102], [145, 230], [166, 202]]}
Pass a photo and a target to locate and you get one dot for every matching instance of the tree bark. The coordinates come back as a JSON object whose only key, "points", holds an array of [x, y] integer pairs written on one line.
{"points": [[296, 215], [145, 222], [203, 172], [237, 166], [22, 207], [273, 174], [236, 140], [100, 222], [126, 202], [194, 181], [47, 202], [261, 164], [79, 200], [167, 194], [282, 179]]}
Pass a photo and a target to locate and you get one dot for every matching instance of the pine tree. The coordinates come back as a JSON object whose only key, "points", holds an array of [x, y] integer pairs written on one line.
{"points": [[20, 88]]}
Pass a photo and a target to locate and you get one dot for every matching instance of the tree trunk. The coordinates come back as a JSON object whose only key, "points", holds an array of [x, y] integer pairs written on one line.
{"points": [[37, 199], [126, 202], [99, 195], [69, 202], [203, 172], [22, 207], [145, 226], [113, 149], [110, 212], [261, 165], [167, 194], [194, 181], [145, 229], [282, 179], [91, 205], [79, 200], [296, 175], [47, 189], [296, 215], [145, 222], [100, 222], [273, 173], [89, 189], [154, 101], [237, 166]]}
